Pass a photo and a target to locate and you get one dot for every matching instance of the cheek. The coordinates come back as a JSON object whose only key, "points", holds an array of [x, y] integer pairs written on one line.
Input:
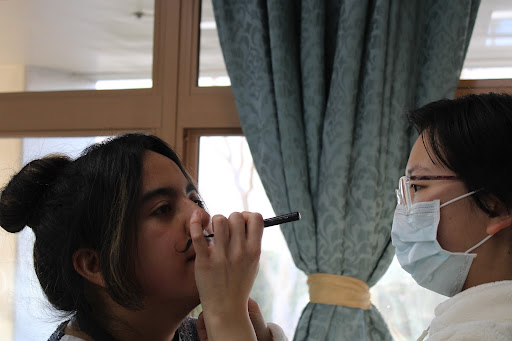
{"points": [[162, 271], [156, 252], [173, 285], [456, 227], [446, 235]]}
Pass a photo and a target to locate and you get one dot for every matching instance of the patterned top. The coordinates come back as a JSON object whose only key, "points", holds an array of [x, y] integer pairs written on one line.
{"points": [[187, 331]]}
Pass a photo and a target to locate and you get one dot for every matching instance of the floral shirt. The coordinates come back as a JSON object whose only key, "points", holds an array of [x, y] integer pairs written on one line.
{"points": [[186, 332]]}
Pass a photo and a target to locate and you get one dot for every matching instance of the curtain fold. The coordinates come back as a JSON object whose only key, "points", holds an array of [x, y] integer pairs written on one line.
{"points": [[321, 88]]}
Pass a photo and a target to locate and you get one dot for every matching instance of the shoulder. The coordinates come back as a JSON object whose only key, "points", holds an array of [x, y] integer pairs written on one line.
{"points": [[483, 312], [475, 331]]}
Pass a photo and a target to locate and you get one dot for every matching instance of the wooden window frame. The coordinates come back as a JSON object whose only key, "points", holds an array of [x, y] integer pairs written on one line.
{"points": [[480, 86], [175, 108], [93, 112], [191, 144], [172, 106], [199, 107]]}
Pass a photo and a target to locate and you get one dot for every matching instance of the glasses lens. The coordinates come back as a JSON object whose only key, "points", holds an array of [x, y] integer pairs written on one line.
{"points": [[403, 192], [399, 197]]}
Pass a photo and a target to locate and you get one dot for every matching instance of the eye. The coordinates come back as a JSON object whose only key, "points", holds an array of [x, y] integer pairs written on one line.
{"points": [[416, 188], [199, 203], [163, 209]]}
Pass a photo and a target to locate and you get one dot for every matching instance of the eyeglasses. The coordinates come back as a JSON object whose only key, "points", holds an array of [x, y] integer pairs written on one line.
{"points": [[404, 195]]}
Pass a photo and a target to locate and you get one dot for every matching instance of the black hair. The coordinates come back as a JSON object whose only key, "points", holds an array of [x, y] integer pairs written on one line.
{"points": [[472, 136], [86, 203]]}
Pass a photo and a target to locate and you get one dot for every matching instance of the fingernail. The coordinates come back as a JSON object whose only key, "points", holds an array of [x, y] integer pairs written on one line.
{"points": [[196, 214]]}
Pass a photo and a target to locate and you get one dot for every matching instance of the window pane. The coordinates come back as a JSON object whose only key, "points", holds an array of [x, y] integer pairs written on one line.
{"points": [[212, 70], [490, 50], [55, 45], [228, 182], [25, 314]]}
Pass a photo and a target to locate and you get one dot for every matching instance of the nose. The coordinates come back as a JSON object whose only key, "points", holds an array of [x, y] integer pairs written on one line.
{"points": [[205, 223], [205, 216]]}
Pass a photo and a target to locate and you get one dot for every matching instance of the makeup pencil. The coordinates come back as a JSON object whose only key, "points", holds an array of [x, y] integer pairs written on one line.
{"points": [[280, 219]]}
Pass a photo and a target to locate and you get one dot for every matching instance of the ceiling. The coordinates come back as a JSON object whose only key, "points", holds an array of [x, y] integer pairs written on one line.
{"points": [[114, 39], [84, 37]]}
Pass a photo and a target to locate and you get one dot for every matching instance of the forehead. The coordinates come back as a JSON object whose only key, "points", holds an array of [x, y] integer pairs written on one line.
{"points": [[159, 170], [420, 162]]}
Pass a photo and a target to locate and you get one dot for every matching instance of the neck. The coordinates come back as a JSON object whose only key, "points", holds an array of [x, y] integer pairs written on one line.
{"points": [[157, 321], [146, 324], [493, 262]]}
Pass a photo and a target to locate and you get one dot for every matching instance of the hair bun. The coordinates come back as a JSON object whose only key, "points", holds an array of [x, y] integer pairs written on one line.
{"points": [[20, 199]]}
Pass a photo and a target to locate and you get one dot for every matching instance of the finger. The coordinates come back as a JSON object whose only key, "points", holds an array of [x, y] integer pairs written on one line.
{"points": [[258, 322], [221, 231], [236, 223], [196, 233], [253, 307], [201, 328], [254, 231]]}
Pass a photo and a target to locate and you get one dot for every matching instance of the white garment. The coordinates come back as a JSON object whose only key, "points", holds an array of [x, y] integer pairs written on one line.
{"points": [[480, 313]]}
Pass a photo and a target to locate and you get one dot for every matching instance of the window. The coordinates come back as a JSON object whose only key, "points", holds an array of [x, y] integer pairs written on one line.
{"points": [[488, 66], [212, 70], [490, 49], [101, 42]]}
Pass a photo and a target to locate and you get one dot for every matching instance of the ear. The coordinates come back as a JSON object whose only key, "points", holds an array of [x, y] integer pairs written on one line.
{"points": [[87, 263], [499, 223]]}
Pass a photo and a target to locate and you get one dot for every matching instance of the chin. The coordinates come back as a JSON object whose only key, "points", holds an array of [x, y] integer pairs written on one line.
{"points": [[192, 302]]}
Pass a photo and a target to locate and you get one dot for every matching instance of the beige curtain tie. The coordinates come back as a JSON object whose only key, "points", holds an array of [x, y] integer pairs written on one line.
{"points": [[338, 290]]}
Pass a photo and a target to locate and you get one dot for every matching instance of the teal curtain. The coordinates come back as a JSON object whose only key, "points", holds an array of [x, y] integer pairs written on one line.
{"points": [[321, 88]]}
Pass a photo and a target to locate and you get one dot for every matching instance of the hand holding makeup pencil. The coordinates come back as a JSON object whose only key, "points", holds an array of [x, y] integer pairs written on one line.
{"points": [[225, 272]]}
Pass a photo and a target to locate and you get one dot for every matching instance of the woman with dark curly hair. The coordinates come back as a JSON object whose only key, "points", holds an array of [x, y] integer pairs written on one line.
{"points": [[120, 247]]}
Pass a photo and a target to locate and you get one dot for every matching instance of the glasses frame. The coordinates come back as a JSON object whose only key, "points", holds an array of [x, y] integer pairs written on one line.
{"points": [[404, 186]]}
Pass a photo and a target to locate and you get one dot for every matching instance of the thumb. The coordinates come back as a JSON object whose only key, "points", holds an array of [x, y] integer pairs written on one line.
{"points": [[201, 328], [258, 321]]}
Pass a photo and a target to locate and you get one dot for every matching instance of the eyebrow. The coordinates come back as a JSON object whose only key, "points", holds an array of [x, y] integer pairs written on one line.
{"points": [[190, 188], [416, 168], [165, 191]]}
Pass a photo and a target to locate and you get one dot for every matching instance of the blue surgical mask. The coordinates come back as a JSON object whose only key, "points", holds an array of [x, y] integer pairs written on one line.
{"points": [[414, 235]]}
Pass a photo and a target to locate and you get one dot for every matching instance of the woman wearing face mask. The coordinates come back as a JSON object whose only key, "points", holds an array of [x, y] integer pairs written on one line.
{"points": [[112, 247], [452, 225]]}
